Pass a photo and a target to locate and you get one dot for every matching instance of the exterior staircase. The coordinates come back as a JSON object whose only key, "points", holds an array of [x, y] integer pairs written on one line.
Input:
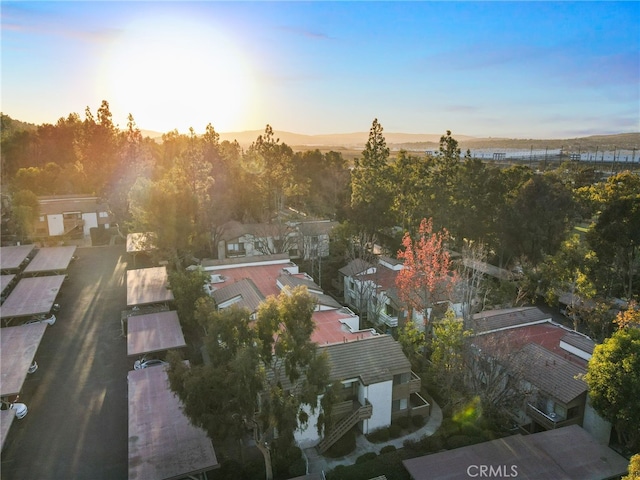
{"points": [[358, 413]]}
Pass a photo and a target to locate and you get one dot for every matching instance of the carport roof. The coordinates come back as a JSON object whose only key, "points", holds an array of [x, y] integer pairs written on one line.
{"points": [[51, 259], [12, 257], [5, 280], [6, 419], [562, 454], [19, 346], [32, 296], [148, 285], [154, 332], [163, 444]]}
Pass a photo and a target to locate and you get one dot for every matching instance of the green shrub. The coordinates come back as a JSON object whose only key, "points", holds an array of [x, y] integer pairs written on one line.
{"points": [[298, 468], [394, 430], [380, 435], [432, 444], [387, 449], [457, 441], [342, 447], [403, 422], [366, 457], [418, 421]]}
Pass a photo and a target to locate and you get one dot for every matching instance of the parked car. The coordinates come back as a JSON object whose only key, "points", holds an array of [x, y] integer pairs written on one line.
{"points": [[20, 408], [47, 318], [146, 363]]}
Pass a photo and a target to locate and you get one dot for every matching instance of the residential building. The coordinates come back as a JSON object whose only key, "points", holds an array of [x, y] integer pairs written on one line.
{"points": [[306, 240], [371, 291], [378, 384], [72, 215], [247, 282], [546, 360], [377, 387]]}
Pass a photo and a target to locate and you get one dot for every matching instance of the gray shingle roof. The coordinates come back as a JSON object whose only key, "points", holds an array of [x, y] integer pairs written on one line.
{"points": [[373, 360], [246, 289], [289, 280], [579, 341], [492, 320], [550, 373], [354, 267]]}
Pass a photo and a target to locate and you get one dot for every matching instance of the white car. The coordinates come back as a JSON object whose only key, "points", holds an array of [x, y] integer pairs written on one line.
{"points": [[152, 362], [33, 367], [50, 319], [20, 408]]}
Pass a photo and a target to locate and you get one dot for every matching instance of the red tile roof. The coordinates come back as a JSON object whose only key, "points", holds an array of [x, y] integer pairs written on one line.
{"points": [[329, 330]]}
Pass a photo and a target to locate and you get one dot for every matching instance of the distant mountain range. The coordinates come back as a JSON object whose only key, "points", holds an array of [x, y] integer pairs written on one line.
{"points": [[396, 141], [430, 141]]}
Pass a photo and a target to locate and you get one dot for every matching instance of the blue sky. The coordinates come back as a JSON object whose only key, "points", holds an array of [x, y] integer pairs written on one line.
{"points": [[503, 69]]}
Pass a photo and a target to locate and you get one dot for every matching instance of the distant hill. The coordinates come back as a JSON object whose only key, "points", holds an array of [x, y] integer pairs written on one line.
{"points": [[354, 142], [349, 140], [9, 126]]}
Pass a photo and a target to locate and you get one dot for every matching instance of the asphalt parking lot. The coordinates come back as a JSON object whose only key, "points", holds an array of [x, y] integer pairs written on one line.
{"points": [[76, 427]]}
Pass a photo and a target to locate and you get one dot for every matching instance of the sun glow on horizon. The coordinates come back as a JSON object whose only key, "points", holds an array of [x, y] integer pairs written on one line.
{"points": [[174, 73]]}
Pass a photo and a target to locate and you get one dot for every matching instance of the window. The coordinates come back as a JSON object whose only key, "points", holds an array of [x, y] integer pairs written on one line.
{"points": [[390, 311], [235, 249], [399, 405], [401, 378]]}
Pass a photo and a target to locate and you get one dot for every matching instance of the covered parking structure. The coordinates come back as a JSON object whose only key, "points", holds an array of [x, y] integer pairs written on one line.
{"points": [[163, 444], [12, 258], [18, 346], [50, 260], [31, 296], [5, 282], [565, 453], [146, 286], [154, 332], [140, 243]]}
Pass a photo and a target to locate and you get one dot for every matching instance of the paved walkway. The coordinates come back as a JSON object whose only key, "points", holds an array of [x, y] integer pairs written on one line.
{"points": [[319, 463]]}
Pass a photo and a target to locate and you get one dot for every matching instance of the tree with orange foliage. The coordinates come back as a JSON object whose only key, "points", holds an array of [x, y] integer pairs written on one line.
{"points": [[426, 276], [629, 317]]}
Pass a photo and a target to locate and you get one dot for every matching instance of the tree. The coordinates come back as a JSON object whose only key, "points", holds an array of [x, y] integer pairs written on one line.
{"points": [[629, 317], [634, 468], [188, 287], [539, 217], [271, 162], [25, 210], [371, 182], [447, 355], [613, 377], [426, 276], [495, 373], [615, 238], [568, 271], [271, 367]]}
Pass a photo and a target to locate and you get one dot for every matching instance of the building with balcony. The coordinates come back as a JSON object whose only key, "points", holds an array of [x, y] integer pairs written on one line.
{"points": [[547, 361], [378, 386]]}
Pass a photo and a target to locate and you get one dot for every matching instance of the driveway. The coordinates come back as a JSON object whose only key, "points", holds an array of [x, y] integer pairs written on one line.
{"points": [[76, 427]]}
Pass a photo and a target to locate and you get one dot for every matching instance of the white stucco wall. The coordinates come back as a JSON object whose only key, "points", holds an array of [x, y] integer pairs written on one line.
{"points": [[379, 396], [56, 224], [576, 351], [90, 221], [308, 437]]}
